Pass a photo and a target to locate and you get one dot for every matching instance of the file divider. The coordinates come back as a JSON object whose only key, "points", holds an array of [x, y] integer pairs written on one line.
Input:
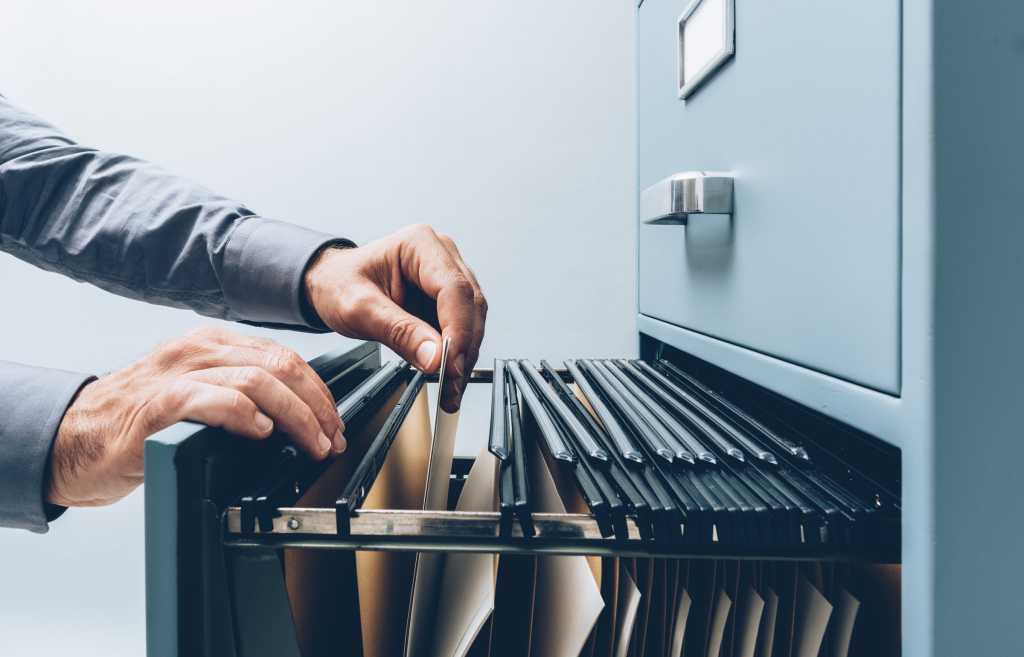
{"points": [[362, 479], [293, 472], [776, 499], [522, 503]]}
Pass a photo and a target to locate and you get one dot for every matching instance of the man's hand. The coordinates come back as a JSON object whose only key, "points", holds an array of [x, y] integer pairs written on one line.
{"points": [[402, 290], [246, 385]]}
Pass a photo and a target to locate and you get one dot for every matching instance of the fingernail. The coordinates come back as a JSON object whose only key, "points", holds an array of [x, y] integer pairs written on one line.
{"points": [[263, 423], [325, 443], [460, 365], [425, 353], [339, 442]]}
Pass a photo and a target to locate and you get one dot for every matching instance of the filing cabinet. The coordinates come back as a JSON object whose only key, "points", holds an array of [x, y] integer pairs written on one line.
{"points": [[828, 228], [867, 263], [806, 119]]}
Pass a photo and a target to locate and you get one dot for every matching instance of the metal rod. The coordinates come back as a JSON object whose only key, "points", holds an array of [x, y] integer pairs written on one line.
{"points": [[455, 531]]}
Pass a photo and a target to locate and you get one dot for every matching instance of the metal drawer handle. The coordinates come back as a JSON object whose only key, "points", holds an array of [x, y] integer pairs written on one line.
{"points": [[672, 200]]}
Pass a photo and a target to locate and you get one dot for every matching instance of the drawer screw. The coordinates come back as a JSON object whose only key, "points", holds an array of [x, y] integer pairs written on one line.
{"points": [[294, 523]]}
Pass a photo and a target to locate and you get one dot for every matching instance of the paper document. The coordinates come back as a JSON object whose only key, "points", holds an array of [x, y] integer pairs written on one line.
{"points": [[748, 621], [629, 602], [423, 609], [843, 620], [568, 599], [384, 578], [682, 614], [812, 616], [467, 583]]}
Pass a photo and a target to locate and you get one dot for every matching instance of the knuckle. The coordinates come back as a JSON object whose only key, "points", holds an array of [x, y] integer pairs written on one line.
{"points": [[354, 302], [251, 378], [461, 286], [287, 364], [401, 331], [310, 424], [480, 301], [237, 403], [176, 395]]}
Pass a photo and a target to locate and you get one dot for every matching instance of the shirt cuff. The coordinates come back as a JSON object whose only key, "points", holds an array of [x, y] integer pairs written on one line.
{"points": [[33, 401], [264, 264]]}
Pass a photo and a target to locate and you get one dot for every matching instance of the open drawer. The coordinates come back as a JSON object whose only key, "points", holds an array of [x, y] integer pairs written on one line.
{"points": [[656, 474]]}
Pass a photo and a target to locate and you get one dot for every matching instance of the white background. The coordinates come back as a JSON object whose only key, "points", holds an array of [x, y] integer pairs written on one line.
{"points": [[508, 125]]}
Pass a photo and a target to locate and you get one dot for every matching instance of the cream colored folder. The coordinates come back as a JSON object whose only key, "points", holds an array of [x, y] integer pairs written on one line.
{"points": [[568, 598], [322, 584], [629, 602], [384, 578], [748, 622], [812, 615], [427, 571], [466, 597]]}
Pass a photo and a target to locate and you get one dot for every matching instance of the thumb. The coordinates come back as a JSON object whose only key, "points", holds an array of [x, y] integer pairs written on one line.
{"points": [[405, 334]]}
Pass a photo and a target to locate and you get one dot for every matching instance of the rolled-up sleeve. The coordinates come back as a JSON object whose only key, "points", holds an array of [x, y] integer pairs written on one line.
{"points": [[33, 401], [129, 227]]}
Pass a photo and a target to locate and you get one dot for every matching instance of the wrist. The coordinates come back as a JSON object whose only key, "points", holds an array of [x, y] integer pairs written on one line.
{"points": [[76, 446], [314, 284]]}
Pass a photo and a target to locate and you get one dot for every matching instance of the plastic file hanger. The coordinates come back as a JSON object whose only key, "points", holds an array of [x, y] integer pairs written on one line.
{"points": [[635, 415], [711, 421], [695, 420], [351, 405], [623, 444], [498, 442], [557, 405], [293, 472], [362, 479], [727, 408], [672, 433], [521, 504], [556, 446]]}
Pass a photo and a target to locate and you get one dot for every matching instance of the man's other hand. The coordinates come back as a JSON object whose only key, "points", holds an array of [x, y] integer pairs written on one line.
{"points": [[246, 385], [405, 291]]}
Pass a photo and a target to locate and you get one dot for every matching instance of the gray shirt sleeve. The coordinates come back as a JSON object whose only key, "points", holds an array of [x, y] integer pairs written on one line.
{"points": [[32, 403], [131, 228]]}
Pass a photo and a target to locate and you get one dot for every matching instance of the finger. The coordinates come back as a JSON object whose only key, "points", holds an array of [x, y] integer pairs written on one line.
{"points": [[464, 363], [291, 368], [209, 404], [427, 263], [371, 314], [480, 310], [276, 400], [288, 367]]}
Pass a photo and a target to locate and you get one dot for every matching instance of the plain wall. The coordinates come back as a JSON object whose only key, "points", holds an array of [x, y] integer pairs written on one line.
{"points": [[508, 125]]}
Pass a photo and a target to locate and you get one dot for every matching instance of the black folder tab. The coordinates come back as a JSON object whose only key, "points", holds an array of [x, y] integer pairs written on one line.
{"points": [[696, 420], [366, 472], [498, 441], [552, 438], [557, 405], [730, 410], [632, 412], [522, 505], [623, 444]]}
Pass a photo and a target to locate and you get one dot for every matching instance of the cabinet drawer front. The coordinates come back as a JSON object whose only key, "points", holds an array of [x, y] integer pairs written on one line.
{"points": [[805, 117]]}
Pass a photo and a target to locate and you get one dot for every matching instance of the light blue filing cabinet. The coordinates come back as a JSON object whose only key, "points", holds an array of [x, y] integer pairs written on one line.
{"points": [[866, 260]]}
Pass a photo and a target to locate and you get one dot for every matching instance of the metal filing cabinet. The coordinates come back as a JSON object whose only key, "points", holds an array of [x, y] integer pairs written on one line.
{"points": [[829, 220], [806, 121], [867, 263]]}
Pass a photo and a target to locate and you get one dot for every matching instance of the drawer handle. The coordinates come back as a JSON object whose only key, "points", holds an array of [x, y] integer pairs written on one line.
{"points": [[672, 200]]}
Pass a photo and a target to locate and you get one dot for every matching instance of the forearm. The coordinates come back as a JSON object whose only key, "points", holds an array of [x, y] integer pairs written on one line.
{"points": [[131, 228], [32, 404]]}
